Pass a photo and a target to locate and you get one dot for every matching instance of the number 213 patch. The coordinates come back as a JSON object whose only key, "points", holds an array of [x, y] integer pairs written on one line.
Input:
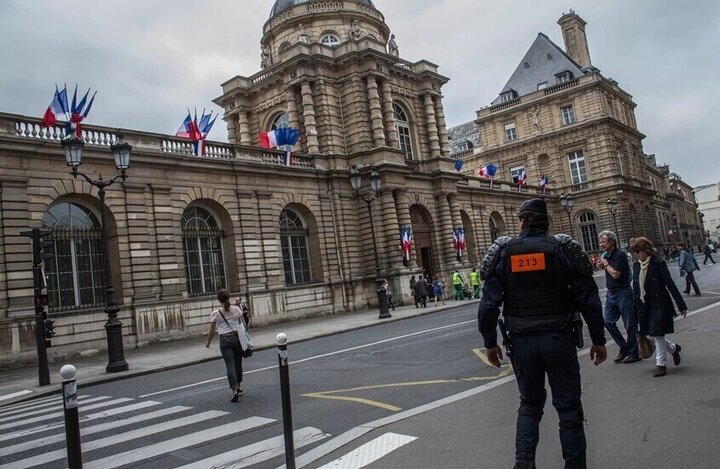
{"points": [[527, 262]]}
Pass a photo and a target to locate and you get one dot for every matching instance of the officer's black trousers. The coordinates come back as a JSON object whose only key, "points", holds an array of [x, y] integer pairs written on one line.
{"points": [[554, 354]]}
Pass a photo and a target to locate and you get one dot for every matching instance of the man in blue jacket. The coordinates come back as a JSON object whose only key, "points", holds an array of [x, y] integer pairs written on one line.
{"points": [[687, 265]]}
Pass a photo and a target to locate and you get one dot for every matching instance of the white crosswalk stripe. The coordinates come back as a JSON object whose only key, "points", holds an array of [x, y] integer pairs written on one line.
{"points": [[259, 452], [126, 433], [370, 451], [19, 394]]}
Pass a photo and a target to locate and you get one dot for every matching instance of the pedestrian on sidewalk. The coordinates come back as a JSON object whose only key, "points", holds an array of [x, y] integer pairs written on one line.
{"points": [[227, 320], [413, 291], [388, 294], [653, 286], [423, 290], [708, 254], [438, 289], [530, 277], [619, 300], [688, 265], [458, 284], [245, 311], [475, 283]]}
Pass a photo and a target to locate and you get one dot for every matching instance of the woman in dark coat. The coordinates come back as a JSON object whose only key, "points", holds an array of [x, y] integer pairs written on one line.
{"points": [[653, 287]]}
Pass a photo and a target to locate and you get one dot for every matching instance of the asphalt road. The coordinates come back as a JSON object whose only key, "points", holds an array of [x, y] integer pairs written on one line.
{"points": [[394, 373]]}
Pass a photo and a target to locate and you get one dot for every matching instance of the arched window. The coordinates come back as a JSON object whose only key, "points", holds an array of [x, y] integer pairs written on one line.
{"points": [[282, 120], [588, 231], [75, 273], [294, 243], [402, 125], [283, 47], [494, 233], [329, 39], [203, 253]]}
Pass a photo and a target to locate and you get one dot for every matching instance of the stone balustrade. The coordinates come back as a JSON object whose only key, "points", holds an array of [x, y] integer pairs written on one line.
{"points": [[31, 128]]}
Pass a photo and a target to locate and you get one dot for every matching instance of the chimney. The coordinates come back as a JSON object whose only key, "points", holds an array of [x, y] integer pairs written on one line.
{"points": [[576, 46]]}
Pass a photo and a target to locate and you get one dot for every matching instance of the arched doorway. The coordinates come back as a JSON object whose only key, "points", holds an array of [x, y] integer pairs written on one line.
{"points": [[422, 229], [497, 226]]}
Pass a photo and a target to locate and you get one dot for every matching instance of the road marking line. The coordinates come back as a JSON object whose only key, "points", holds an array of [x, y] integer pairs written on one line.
{"points": [[259, 452], [50, 415], [15, 394], [359, 400], [88, 446], [40, 408], [370, 451], [31, 403], [355, 433], [186, 441], [324, 355], [84, 432], [83, 420]]}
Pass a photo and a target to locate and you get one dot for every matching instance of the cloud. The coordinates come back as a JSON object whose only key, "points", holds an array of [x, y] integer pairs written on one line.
{"points": [[152, 60]]}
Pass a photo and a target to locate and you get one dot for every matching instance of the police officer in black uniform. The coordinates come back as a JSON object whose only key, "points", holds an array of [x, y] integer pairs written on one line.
{"points": [[541, 281]]}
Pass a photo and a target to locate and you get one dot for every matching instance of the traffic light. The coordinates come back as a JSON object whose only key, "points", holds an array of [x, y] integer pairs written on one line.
{"points": [[49, 328]]}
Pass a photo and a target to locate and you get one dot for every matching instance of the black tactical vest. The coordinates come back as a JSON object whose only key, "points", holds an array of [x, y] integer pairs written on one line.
{"points": [[537, 291]]}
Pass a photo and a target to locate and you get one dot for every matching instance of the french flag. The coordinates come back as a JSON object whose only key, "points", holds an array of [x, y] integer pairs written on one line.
{"points": [[268, 139], [58, 108], [522, 178], [184, 130]]}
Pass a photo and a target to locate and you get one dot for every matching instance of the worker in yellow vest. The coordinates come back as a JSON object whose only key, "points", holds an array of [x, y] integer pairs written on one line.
{"points": [[475, 283], [458, 283]]}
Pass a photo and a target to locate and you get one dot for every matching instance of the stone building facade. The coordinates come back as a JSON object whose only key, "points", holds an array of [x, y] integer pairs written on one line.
{"points": [[560, 117], [708, 199], [296, 239]]}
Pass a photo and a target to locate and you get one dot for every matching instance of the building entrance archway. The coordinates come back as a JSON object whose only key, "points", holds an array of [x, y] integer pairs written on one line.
{"points": [[422, 228]]}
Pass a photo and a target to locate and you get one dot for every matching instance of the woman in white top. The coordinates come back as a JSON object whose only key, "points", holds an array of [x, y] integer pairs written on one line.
{"points": [[226, 320]]}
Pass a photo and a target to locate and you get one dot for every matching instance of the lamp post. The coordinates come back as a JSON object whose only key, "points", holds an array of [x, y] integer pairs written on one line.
{"points": [[612, 205], [567, 202], [356, 181], [121, 150]]}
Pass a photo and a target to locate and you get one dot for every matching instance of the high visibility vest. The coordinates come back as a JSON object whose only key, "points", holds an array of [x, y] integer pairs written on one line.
{"points": [[457, 279], [474, 278]]}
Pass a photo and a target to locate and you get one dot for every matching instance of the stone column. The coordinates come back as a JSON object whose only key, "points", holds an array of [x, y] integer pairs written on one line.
{"points": [[445, 232], [390, 130], [142, 282], [442, 127], [402, 206], [244, 128], [167, 208], [376, 116], [391, 230], [231, 128], [432, 127], [309, 116], [292, 108], [15, 214]]}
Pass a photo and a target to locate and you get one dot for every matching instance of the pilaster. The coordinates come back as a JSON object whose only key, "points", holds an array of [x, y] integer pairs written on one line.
{"points": [[309, 117], [244, 128], [432, 127], [389, 111], [442, 127], [449, 257], [376, 115]]}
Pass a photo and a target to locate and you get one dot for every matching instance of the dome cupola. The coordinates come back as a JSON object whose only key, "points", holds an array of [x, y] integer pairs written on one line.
{"points": [[282, 5]]}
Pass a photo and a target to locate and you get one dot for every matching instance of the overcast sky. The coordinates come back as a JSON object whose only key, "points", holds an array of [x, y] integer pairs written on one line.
{"points": [[151, 60]]}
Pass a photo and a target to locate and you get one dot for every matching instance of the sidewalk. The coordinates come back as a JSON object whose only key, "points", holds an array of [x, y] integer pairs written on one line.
{"points": [[22, 383]]}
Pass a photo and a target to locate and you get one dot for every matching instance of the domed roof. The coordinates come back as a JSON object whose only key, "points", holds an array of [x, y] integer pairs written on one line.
{"points": [[282, 5]]}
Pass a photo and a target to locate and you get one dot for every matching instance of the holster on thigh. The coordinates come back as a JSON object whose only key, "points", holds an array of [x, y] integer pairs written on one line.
{"points": [[571, 417]]}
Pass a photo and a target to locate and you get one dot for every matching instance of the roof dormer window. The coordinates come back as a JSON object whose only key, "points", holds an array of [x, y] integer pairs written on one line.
{"points": [[564, 77], [330, 39], [508, 96]]}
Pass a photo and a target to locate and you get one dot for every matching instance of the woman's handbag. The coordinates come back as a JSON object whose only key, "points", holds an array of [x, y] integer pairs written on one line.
{"points": [[246, 344], [645, 347]]}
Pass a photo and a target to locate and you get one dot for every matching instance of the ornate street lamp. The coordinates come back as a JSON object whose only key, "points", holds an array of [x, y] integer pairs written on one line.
{"points": [[567, 202], [375, 180], [73, 147], [612, 205]]}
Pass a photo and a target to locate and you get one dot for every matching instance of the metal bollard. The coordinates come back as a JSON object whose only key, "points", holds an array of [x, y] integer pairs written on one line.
{"points": [[72, 420], [286, 409]]}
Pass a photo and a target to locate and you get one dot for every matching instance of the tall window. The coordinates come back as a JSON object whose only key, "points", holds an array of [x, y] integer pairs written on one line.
{"points": [[568, 114], [329, 39], [515, 173], [402, 125], [578, 169], [76, 275], [510, 132], [283, 120], [294, 244], [589, 232], [202, 249]]}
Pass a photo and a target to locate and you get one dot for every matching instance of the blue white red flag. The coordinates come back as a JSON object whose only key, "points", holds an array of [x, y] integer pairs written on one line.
{"points": [[282, 137], [459, 241], [488, 171], [459, 165], [406, 242], [543, 183], [184, 130], [57, 109]]}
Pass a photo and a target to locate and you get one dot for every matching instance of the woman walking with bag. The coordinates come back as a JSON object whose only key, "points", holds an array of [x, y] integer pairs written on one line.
{"points": [[653, 286], [228, 320]]}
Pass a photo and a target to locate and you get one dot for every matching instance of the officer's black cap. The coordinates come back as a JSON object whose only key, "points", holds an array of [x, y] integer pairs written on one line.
{"points": [[535, 206]]}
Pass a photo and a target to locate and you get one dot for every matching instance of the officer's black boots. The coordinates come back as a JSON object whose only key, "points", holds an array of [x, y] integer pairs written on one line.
{"points": [[524, 464]]}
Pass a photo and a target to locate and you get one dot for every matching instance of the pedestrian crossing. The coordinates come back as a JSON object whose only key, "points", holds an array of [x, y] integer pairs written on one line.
{"points": [[127, 432]]}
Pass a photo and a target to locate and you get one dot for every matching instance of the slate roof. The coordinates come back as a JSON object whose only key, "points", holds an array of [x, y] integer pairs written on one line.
{"points": [[541, 63], [282, 5]]}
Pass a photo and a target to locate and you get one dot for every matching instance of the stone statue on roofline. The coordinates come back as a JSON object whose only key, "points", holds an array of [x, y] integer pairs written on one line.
{"points": [[393, 47], [303, 36], [265, 58], [355, 31]]}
